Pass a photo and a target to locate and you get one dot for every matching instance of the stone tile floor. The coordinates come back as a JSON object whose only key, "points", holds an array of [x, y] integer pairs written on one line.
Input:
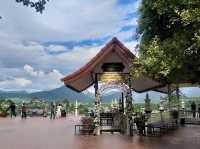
{"points": [[42, 133]]}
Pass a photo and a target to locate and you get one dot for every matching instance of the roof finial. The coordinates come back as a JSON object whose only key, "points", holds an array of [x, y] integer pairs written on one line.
{"points": [[115, 39]]}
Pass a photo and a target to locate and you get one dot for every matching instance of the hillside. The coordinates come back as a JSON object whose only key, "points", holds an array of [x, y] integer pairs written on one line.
{"points": [[86, 96], [55, 94], [13, 94], [62, 93]]}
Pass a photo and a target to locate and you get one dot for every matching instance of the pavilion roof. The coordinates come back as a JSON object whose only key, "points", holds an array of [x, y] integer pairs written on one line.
{"points": [[114, 51]]}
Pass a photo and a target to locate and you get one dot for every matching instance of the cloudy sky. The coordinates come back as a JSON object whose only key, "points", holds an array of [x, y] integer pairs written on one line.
{"points": [[37, 50]]}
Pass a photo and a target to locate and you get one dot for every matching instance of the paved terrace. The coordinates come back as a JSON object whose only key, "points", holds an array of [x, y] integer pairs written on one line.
{"points": [[42, 133]]}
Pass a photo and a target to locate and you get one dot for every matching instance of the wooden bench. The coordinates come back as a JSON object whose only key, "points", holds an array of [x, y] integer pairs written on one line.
{"points": [[157, 128], [161, 127], [111, 130], [84, 129]]}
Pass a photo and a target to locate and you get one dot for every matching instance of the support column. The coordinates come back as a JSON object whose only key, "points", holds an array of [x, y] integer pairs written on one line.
{"points": [[178, 96], [148, 107], [122, 102], [97, 106], [129, 103], [178, 99], [169, 96]]}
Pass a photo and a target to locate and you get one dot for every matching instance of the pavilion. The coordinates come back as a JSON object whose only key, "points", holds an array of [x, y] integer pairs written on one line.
{"points": [[113, 53], [112, 66]]}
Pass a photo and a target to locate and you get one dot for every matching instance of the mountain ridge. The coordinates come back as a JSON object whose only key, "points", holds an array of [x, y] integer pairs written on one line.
{"points": [[86, 96], [54, 94]]}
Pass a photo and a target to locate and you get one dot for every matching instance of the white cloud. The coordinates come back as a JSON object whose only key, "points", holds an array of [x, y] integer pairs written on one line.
{"points": [[56, 48], [64, 20], [23, 82], [132, 46], [125, 35], [61, 21], [133, 22], [25, 63], [76, 57], [43, 69], [190, 91], [49, 80], [14, 53], [30, 70], [43, 80], [31, 79], [16, 83]]}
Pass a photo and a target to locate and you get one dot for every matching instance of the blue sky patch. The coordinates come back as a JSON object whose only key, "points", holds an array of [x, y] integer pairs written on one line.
{"points": [[131, 15], [71, 44], [124, 2], [127, 28]]}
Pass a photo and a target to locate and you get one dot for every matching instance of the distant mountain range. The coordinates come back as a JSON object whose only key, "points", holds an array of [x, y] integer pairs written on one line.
{"points": [[66, 93], [55, 94], [86, 96], [13, 94]]}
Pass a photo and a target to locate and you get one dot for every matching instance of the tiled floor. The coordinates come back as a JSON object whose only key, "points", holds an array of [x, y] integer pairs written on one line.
{"points": [[39, 133]]}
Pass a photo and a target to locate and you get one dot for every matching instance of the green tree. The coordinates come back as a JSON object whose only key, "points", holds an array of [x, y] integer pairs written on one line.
{"points": [[71, 107], [66, 104], [169, 31], [4, 104], [39, 5], [83, 109]]}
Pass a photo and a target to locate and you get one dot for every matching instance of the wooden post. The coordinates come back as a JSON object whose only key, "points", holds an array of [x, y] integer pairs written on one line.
{"points": [[169, 96], [178, 96], [96, 85], [129, 103], [178, 99], [122, 102], [97, 105]]}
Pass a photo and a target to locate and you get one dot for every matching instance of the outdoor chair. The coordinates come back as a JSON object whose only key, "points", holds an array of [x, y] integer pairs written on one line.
{"points": [[87, 126]]}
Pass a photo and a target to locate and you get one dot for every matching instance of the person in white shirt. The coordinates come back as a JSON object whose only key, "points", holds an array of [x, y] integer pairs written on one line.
{"points": [[59, 109]]}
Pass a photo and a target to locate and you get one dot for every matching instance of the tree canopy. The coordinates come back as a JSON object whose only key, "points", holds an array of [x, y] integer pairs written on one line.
{"points": [[38, 5], [169, 33]]}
